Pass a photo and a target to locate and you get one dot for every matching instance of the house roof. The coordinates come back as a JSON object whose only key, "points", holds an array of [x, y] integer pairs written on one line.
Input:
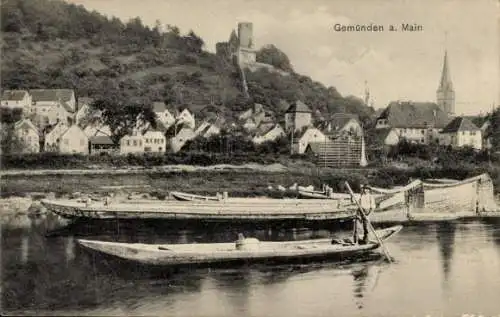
{"points": [[415, 115], [25, 123], [264, 129], [51, 94], [101, 139], [84, 101], [460, 124], [339, 120], [75, 128], [298, 106], [14, 94]]}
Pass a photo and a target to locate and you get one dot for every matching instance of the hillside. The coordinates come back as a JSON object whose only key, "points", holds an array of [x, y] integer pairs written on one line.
{"points": [[49, 44]]}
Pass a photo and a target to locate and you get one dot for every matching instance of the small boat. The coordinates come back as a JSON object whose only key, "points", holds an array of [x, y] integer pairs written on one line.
{"points": [[192, 197], [244, 250]]}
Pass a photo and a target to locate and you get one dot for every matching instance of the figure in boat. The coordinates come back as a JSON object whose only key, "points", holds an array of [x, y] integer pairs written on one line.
{"points": [[367, 203]]}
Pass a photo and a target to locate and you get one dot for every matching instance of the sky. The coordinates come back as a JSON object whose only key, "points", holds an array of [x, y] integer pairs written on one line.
{"points": [[393, 65]]}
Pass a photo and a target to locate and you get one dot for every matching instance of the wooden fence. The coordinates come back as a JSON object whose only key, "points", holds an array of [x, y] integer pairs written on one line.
{"points": [[339, 153]]}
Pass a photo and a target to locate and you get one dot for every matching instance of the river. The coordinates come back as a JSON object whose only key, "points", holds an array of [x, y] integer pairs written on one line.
{"points": [[447, 269]]}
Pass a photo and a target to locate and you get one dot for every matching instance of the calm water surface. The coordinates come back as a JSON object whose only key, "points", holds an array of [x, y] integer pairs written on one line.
{"points": [[440, 270]]}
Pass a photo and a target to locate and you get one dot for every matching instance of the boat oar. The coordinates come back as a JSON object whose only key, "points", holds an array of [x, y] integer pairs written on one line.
{"points": [[365, 218]]}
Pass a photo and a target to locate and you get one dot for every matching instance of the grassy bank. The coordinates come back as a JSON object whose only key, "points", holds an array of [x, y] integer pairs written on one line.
{"points": [[243, 183]]}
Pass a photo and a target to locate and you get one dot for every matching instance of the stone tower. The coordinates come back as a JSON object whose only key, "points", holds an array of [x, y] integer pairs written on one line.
{"points": [[245, 34], [246, 54], [445, 92]]}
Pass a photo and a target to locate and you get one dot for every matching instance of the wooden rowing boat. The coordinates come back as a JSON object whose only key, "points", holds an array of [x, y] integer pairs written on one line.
{"points": [[192, 197], [243, 250]]}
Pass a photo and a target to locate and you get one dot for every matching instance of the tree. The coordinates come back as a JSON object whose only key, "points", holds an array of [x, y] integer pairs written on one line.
{"points": [[494, 129], [271, 55], [122, 116]]}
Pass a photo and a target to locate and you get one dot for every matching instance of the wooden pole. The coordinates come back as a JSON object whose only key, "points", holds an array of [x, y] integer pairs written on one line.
{"points": [[365, 218]]}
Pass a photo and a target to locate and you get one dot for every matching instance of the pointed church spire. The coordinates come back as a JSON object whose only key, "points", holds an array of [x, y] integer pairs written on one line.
{"points": [[445, 93], [445, 82]]}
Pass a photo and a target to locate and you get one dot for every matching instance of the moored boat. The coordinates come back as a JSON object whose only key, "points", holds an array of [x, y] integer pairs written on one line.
{"points": [[243, 250], [237, 209], [193, 197]]}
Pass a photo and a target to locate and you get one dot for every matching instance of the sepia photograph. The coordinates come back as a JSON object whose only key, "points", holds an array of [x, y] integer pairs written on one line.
{"points": [[250, 158]]}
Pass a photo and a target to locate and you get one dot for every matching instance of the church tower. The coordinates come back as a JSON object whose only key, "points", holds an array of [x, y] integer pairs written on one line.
{"points": [[445, 92]]}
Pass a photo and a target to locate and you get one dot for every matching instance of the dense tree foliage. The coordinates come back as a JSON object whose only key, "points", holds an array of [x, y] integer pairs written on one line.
{"points": [[271, 55]]}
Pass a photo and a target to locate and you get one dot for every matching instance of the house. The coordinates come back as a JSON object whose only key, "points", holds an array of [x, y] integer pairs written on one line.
{"points": [[27, 133], [298, 116], [154, 141], [185, 134], [486, 131], [164, 117], [462, 132], [53, 137], [268, 133], [132, 143], [303, 138], [207, 129], [16, 99], [418, 122], [102, 144], [74, 140], [52, 105], [84, 111], [186, 118], [342, 123]]}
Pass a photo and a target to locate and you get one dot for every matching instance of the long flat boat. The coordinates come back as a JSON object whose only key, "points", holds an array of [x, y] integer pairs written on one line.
{"points": [[193, 197], [233, 209], [243, 250]]}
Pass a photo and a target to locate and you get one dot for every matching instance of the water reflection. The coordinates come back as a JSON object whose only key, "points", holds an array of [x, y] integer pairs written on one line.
{"points": [[55, 274], [446, 239]]}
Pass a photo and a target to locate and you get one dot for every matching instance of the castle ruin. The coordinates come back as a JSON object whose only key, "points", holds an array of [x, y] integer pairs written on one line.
{"points": [[241, 51]]}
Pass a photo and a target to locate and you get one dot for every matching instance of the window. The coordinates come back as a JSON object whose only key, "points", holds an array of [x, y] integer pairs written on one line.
{"points": [[422, 140], [135, 142], [82, 142], [66, 141], [128, 142], [423, 131]]}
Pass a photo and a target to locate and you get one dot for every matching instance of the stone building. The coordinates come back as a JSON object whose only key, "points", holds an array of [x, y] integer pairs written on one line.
{"points": [[298, 116]]}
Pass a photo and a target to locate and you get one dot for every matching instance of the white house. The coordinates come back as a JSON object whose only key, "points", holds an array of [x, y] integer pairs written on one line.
{"points": [[186, 118], [154, 141], [84, 112], [52, 105], [163, 116], [418, 122], [74, 140], [16, 99], [179, 140], [53, 137], [310, 135], [272, 133], [133, 143], [462, 132], [27, 133], [342, 123]]}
